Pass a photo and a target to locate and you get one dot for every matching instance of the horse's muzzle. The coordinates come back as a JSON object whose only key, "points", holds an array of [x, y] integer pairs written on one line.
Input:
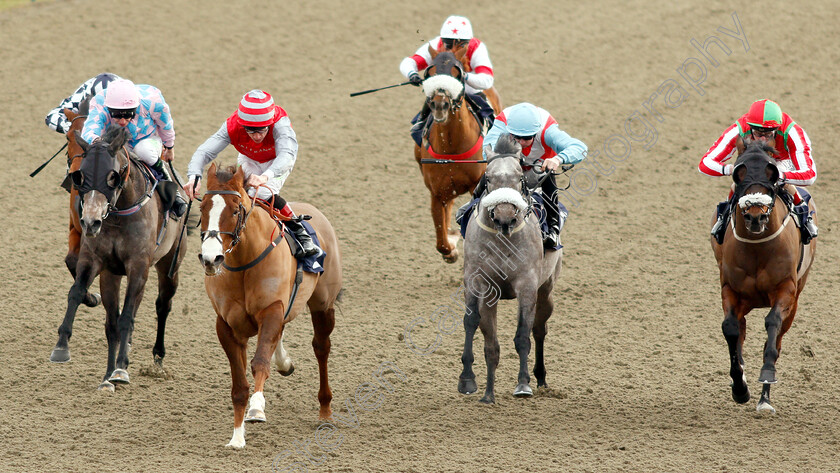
{"points": [[212, 267], [91, 227]]}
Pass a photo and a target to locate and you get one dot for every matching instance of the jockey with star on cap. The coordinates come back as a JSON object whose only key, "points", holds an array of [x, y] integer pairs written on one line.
{"points": [[262, 134], [766, 122], [456, 31]]}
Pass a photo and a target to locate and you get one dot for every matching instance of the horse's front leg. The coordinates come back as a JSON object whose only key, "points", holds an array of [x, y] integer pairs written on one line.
{"points": [[74, 244], [235, 349], [777, 322], [109, 284], [444, 245], [734, 328], [466, 382], [545, 307], [487, 323], [137, 276], [522, 341], [87, 271], [270, 331]]}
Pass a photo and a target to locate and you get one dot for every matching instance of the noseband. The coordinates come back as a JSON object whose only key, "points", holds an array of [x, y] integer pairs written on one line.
{"points": [[241, 218]]}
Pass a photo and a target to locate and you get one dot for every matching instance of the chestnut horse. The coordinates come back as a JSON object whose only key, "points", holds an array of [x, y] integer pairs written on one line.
{"points": [[454, 135], [74, 161], [762, 263], [251, 295]]}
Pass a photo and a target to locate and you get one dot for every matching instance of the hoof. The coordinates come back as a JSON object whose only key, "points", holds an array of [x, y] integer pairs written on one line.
{"points": [[488, 399], [466, 386], [106, 387], [255, 415], [237, 444], [92, 299], [287, 372], [119, 376], [542, 384], [158, 359], [741, 397], [765, 406], [523, 390], [60, 355], [451, 257]]}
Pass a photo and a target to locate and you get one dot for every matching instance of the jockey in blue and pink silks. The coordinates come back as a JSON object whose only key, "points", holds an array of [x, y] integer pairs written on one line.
{"points": [[262, 134], [541, 138], [143, 112]]}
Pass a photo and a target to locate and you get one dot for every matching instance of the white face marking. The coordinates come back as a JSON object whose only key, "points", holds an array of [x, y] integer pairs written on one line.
{"points": [[211, 247], [94, 207]]}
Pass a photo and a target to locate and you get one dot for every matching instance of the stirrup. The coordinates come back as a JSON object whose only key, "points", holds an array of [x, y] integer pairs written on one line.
{"points": [[719, 229]]}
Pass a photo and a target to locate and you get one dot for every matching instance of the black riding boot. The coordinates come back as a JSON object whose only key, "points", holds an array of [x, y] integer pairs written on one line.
{"points": [[297, 228], [419, 122], [719, 228], [555, 213], [178, 204], [807, 228]]}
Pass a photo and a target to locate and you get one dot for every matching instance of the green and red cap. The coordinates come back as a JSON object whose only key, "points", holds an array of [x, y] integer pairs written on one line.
{"points": [[765, 114]]}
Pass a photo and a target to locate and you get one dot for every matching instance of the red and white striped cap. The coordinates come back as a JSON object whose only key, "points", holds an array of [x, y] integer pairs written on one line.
{"points": [[256, 109]]}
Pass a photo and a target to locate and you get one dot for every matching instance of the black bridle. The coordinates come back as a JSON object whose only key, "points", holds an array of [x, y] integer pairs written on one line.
{"points": [[241, 219]]}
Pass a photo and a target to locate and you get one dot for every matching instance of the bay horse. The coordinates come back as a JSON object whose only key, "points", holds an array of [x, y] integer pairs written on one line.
{"points": [[762, 263], [74, 162], [504, 259], [454, 135], [251, 295], [123, 234]]}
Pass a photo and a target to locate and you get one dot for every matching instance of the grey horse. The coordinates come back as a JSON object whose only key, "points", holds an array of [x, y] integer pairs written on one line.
{"points": [[504, 259]]}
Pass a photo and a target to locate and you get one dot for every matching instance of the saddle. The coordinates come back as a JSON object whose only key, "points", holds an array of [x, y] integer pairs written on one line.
{"points": [[311, 264]]}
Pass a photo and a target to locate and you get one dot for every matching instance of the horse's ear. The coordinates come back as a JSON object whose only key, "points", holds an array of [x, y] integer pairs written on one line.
{"points": [[80, 141], [738, 173], [240, 177], [70, 114], [460, 54], [739, 143], [773, 173], [433, 52]]}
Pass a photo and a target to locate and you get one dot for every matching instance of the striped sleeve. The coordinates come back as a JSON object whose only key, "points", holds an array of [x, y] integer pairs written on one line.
{"points": [[420, 60], [799, 148], [723, 149]]}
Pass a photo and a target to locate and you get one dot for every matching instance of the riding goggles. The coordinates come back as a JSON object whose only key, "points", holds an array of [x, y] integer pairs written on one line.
{"points": [[255, 129], [523, 138], [117, 113]]}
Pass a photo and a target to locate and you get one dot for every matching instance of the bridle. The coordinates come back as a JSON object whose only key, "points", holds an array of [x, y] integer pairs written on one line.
{"points": [[241, 219], [456, 102]]}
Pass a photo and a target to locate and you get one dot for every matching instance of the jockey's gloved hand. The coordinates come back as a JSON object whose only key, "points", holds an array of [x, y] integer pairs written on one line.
{"points": [[415, 79]]}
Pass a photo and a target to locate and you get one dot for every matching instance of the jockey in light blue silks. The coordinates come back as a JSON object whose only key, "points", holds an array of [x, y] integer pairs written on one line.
{"points": [[541, 138]]}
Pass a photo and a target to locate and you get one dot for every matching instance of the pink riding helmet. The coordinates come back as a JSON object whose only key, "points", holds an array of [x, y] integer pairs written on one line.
{"points": [[122, 94]]}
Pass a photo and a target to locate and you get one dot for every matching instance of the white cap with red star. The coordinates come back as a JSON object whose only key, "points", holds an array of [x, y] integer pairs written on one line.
{"points": [[456, 27]]}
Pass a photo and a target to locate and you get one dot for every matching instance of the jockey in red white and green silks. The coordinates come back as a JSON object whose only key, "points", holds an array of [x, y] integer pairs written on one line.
{"points": [[766, 122]]}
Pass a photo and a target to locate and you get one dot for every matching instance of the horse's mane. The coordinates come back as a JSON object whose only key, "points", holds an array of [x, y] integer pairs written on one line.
{"points": [[112, 132], [225, 174]]}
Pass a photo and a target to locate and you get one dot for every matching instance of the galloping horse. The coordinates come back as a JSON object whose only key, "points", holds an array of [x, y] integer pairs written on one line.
{"points": [[504, 259], [762, 264], [74, 162], [124, 233], [454, 135], [252, 295]]}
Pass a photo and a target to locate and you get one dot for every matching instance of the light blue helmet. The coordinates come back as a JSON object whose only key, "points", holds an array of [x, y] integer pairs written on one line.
{"points": [[523, 119]]}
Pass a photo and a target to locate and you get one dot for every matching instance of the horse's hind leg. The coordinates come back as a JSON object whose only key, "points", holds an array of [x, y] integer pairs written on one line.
{"points": [[522, 342], [491, 349], [163, 306], [545, 307], [466, 382], [235, 349], [323, 322], [84, 278], [734, 328], [110, 286]]}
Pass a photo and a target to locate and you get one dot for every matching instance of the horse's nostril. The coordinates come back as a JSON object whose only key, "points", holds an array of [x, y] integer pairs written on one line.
{"points": [[218, 259]]}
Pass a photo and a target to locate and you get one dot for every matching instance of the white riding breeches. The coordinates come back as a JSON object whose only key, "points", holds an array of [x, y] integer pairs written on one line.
{"points": [[271, 187], [149, 150]]}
